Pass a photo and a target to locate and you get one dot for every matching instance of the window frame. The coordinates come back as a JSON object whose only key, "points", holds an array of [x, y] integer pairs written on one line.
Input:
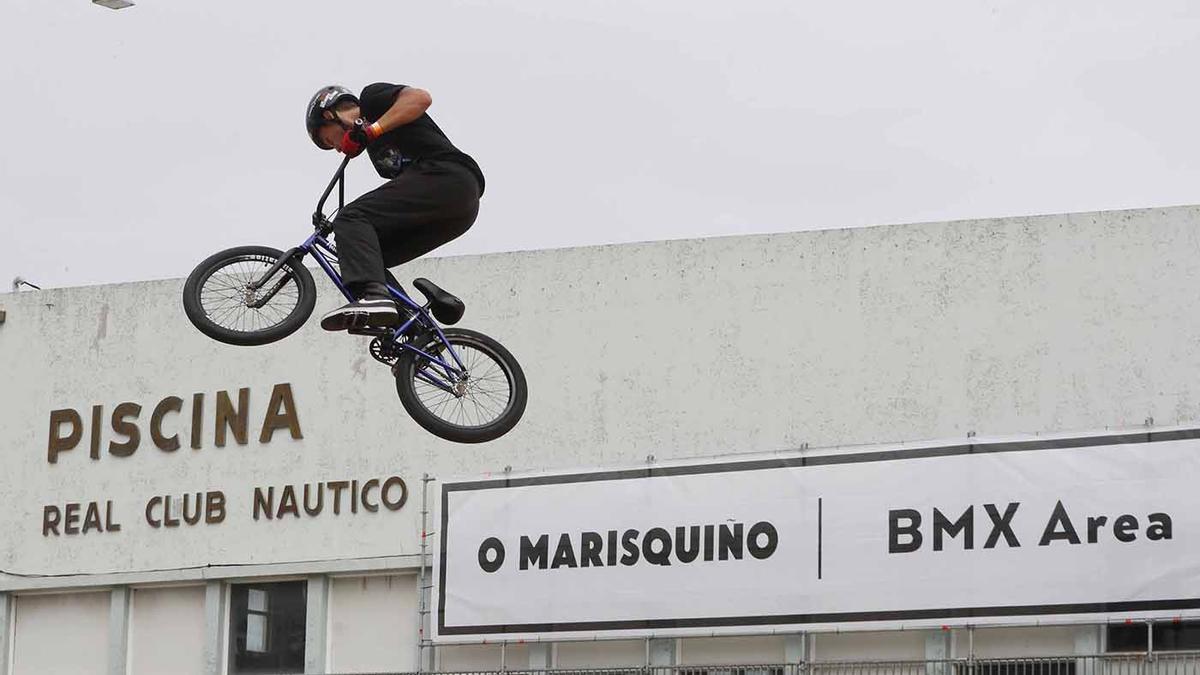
{"points": [[284, 616], [1153, 636]]}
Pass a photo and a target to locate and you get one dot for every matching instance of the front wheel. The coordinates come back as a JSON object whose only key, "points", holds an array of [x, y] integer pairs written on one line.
{"points": [[480, 402], [219, 297]]}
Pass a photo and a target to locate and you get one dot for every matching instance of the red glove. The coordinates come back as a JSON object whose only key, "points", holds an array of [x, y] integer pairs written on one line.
{"points": [[350, 146], [357, 139]]}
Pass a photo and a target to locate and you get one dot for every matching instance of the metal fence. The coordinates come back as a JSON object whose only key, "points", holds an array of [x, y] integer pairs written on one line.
{"points": [[1159, 663]]}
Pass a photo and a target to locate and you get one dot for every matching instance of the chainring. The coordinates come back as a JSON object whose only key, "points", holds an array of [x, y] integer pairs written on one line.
{"points": [[384, 354]]}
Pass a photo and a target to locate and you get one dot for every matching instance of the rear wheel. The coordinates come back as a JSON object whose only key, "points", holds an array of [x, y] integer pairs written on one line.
{"points": [[219, 301], [481, 404]]}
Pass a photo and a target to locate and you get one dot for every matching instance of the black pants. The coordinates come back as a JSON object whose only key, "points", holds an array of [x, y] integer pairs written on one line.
{"points": [[431, 203]]}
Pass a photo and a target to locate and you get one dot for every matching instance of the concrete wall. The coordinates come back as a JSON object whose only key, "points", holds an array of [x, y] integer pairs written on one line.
{"points": [[610, 654], [167, 631], [673, 349], [899, 645], [63, 634], [1017, 642], [373, 624], [731, 650]]}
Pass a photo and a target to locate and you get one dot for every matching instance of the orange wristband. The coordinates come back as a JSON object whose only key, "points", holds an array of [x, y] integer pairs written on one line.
{"points": [[374, 131]]}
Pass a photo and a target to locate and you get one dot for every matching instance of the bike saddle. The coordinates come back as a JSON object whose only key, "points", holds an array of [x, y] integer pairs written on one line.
{"points": [[446, 308]]}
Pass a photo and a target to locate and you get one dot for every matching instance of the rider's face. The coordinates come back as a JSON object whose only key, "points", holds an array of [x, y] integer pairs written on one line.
{"points": [[331, 133]]}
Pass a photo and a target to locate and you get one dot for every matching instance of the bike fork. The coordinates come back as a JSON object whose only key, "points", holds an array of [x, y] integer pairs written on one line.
{"points": [[255, 285]]}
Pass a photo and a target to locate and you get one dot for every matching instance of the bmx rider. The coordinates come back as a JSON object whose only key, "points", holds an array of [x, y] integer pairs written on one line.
{"points": [[431, 195]]}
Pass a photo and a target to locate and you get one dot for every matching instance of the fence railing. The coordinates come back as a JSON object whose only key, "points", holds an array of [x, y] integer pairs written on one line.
{"points": [[1158, 663]]}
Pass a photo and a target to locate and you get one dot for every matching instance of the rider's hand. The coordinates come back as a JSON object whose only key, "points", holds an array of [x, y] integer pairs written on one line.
{"points": [[350, 145], [358, 138], [368, 132]]}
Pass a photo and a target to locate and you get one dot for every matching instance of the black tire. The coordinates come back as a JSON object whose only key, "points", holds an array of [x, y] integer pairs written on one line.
{"points": [[474, 349], [221, 314]]}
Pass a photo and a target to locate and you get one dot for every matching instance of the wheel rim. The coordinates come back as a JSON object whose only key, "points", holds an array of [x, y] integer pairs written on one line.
{"points": [[225, 300], [487, 393]]}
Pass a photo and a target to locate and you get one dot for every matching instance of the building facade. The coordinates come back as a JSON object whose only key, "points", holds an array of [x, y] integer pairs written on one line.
{"points": [[172, 504]]}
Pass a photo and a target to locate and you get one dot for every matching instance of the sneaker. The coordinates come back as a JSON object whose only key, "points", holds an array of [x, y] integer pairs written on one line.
{"points": [[365, 313], [382, 330]]}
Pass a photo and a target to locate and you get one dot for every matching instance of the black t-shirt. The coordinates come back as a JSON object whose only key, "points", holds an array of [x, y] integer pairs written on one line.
{"points": [[419, 139]]}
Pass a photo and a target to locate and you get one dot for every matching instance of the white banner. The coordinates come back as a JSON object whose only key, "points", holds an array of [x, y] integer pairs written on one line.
{"points": [[1058, 529]]}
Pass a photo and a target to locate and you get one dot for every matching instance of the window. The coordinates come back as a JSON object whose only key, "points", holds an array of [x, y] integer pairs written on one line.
{"points": [[1168, 636], [267, 627], [1184, 635], [1127, 638], [256, 620]]}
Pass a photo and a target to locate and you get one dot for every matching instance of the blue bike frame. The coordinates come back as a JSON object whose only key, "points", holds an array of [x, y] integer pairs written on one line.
{"points": [[320, 248]]}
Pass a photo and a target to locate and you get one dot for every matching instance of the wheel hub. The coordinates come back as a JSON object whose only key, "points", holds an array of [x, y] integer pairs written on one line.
{"points": [[460, 387]]}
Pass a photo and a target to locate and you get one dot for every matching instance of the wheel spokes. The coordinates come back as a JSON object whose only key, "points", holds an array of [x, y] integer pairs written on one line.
{"points": [[225, 299], [480, 399]]}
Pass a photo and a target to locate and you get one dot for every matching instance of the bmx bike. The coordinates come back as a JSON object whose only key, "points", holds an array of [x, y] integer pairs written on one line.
{"points": [[458, 384]]}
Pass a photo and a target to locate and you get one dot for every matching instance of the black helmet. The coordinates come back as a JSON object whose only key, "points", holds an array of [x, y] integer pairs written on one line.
{"points": [[325, 99]]}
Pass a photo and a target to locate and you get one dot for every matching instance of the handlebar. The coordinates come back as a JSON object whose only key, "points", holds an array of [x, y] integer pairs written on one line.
{"points": [[320, 222], [339, 179]]}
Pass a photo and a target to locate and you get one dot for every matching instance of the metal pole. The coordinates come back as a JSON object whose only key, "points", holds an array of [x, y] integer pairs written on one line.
{"points": [[422, 607], [7, 629]]}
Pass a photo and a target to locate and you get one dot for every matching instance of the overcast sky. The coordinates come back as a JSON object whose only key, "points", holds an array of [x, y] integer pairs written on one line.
{"points": [[137, 142]]}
